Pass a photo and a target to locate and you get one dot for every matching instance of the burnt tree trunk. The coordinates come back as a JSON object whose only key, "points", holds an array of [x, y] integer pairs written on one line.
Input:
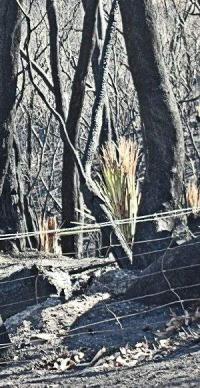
{"points": [[69, 129], [70, 177], [9, 47], [162, 129], [12, 199], [92, 199], [108, 131]]}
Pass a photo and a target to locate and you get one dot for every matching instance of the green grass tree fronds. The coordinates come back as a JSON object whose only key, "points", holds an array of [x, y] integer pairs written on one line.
{"points": [[118, 182]]}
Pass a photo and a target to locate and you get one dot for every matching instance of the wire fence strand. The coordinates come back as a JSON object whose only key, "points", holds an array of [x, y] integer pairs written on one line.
{"points": [[140, 276], [85, 329], [87, 228]]}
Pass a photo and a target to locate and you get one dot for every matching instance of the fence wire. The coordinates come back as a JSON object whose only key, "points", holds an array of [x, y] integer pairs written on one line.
{"points": [[106, 306], [87, 262], [87, 228]]}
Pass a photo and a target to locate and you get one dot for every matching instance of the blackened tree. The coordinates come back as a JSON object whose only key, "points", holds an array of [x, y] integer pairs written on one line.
{"points": [[14, 209], [162, 129]]}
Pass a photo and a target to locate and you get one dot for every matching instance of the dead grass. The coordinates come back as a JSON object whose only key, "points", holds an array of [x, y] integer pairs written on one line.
{"points": [[49, 241], [193, 196]]}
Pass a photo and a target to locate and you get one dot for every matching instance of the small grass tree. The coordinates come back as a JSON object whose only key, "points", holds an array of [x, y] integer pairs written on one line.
{"points": [[193, 196], [118, 183], [48, 239]]}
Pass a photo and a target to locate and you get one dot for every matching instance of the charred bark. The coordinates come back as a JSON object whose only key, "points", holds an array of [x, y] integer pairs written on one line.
{"points": [[162, 129], [101, 93], [16, 215], [9, 47], [70, 177], [91, 196], [12, 210], [108, 131]]}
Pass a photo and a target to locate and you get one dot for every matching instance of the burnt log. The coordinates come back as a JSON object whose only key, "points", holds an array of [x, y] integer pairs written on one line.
{"points": [[31, 277], [23, 286], [174, 276]]}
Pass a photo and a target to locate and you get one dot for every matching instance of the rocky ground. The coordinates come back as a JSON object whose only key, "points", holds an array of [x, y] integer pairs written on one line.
{"points": [[97, 338]]}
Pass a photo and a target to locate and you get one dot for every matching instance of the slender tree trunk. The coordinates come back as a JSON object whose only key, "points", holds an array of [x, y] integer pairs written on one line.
{"points": [[91, 196], [70, 176], [12, 204], [162, 129], [108, 131], [72, 200]]}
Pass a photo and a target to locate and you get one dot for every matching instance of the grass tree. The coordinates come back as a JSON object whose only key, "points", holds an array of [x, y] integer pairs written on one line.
{"points": [[118, 184]]}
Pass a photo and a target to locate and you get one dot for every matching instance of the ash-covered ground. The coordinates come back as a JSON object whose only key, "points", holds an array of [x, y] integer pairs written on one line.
{"points": [[97, 338]]}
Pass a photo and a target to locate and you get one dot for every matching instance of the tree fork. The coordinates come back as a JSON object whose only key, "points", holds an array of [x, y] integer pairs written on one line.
{"points": [[120, 249]]}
